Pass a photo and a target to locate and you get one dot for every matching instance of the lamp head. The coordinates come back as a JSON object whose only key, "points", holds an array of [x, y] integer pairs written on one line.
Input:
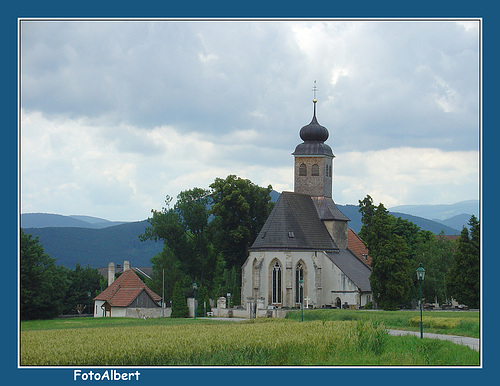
{"points": [[420, 273]]}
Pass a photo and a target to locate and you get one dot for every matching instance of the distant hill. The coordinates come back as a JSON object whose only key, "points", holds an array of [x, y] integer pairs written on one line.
{"points": [[458, 222], [95, 241], [97, 247], [352, 211], [440, 212], [45, 220]]}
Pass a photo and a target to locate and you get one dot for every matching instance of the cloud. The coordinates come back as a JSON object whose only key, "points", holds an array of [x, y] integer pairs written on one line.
{"points": [[407, 175], [117, 114]]}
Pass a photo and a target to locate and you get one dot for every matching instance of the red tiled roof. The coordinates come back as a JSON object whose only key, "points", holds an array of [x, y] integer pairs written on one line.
{"points": [[125, 289], [356, 246]]}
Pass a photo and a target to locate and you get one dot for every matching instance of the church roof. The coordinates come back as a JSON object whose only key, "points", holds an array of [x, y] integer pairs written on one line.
{"points": [[327, 210], [294, 224], [125, 289], [354, 268], [356, 246]]}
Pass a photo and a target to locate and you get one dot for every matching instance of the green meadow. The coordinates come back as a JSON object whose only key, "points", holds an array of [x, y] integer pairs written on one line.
{"points": [[324, 338]]}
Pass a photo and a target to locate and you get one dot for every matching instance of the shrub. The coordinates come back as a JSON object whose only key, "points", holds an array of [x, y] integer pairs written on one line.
{"points": [[179, 306]]}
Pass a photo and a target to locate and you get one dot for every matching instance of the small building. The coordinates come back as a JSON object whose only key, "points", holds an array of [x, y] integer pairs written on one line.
{"points": [[127, 296]]}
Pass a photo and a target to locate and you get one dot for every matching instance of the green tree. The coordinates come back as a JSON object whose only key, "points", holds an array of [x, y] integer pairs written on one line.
{"points": [[184, 229], [390, 279], [81, 282], [436, 255], [166, 225], [203, 301], [240, 209], [193, 207], [463, 278], [42, 283], [179, 306], [165, 264]]}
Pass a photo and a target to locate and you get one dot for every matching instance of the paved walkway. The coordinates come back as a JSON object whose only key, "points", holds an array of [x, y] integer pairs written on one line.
{"points": [[471, 342]]}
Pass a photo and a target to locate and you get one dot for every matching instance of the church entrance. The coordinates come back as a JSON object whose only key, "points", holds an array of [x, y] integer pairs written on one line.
{"points": [[338, 303]]}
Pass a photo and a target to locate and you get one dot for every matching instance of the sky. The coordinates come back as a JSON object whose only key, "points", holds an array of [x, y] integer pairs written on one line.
{"points": [[115, 115]]}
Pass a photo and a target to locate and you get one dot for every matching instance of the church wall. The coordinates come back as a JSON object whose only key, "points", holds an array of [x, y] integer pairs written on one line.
{"points": [[257, 277], [337, 285], [324, 282], [338, 231]]}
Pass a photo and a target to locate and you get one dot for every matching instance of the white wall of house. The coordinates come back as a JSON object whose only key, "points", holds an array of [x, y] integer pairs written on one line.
{"points": [[98, 311]]}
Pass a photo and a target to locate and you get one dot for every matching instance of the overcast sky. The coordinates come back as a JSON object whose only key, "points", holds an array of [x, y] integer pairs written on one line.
{"points": [[115, 115]]}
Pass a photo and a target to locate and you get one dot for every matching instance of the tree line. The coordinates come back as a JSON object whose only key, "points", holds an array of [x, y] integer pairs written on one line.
{"points": [[397, 246]]}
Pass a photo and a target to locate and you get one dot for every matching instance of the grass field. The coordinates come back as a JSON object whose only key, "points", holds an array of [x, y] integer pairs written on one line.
{"points": [[463, 323], [269, 342]]}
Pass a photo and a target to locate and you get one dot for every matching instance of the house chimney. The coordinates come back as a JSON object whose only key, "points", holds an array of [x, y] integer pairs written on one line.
{"points": [[126, 265], [111, 273]]}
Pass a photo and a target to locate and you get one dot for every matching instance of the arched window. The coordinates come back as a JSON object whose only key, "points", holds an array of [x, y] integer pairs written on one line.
{"points": [[276, 283], [315, 170], [255, 275], [302, 170], [299, 274]]}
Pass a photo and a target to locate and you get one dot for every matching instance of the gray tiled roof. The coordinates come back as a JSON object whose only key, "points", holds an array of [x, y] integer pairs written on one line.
{"points": [[327, 210], [295, 213], [358, 272]]}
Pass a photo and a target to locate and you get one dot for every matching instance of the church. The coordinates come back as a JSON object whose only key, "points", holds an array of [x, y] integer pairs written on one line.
{"points": [[302, 252]]}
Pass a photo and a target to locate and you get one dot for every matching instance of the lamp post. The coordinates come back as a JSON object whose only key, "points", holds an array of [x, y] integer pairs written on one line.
{"points": [[195, 288], [301, 285], [88, 295], [228, 295], [420, 277]]}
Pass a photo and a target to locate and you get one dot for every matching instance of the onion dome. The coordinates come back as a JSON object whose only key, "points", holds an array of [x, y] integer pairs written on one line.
{"points": [[314, 135]]}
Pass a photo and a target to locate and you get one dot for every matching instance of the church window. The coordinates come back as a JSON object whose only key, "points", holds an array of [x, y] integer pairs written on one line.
{"points": [[299, 274], [315, 170], [276, 285], [302, 170]]}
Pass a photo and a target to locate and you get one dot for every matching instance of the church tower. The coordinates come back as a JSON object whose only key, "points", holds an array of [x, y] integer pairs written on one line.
{"points": [[313, 161]]}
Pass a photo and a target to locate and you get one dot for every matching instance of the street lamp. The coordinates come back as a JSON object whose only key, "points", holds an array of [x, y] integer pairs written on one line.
{"points": [[88, 295], [301, 285], [228, 295], [420, 277], [195, 288]]}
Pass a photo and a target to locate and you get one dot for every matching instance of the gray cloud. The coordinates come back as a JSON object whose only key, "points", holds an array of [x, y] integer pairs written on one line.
{"points": [[181, 103]]}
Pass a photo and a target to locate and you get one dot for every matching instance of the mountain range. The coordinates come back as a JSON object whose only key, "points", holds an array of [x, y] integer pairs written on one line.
{"points": [[95, 241]]}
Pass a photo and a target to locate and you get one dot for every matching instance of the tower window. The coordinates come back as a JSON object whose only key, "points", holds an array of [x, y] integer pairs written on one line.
{"points": [[315, 170], [302, 170]]}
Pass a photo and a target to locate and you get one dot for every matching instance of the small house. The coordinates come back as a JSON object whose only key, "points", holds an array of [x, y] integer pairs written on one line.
{"points": [[127, 296]]}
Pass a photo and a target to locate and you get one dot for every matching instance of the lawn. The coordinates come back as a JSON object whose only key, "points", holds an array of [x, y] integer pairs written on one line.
{"points": [[201, 342]]}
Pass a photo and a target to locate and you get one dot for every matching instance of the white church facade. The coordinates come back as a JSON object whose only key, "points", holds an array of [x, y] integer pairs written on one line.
{"points": [[302, 252]]}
